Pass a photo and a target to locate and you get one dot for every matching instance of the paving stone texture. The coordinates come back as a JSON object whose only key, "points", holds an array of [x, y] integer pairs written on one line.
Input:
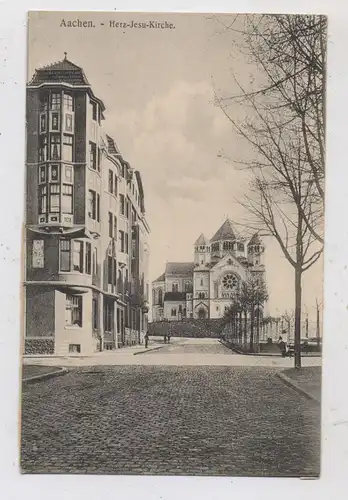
{"points": [[169, 420]]}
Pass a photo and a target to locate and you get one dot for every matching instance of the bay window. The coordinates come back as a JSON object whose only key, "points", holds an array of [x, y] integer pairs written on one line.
{"points": [[54, 173], [54, 198], [88, 258], [55, 101], [55, 119], [68, 173], [43, 148], [68, 122], [95, 261], [67, 199], [67, 148], [42, 174], [55, 147], [43, 123], [68, 102], [78, 256], [42, 199], [65, 250]]}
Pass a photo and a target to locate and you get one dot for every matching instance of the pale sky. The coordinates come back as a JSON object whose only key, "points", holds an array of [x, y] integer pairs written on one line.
{"points": [[157, 86]]}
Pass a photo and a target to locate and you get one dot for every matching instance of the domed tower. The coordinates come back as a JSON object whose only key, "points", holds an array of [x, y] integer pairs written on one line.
{"points": [[202, 251], [256, 253]]}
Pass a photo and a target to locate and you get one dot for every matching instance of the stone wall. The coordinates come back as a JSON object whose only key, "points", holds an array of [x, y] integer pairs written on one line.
{"points": [[39, 346], [197, 328]]}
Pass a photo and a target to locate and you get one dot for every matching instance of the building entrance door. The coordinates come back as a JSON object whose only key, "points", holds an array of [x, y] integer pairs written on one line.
{"points": [[202, 313]]}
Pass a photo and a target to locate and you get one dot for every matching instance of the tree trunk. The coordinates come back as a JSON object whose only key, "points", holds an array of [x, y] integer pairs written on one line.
{"points": [[318, 327], [252, 317], [240, 329], [245, 330], [298, 297], [258, 330]]}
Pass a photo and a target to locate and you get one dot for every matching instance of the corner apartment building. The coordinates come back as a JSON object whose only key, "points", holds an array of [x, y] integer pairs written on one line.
{"points": [[86, 251]]}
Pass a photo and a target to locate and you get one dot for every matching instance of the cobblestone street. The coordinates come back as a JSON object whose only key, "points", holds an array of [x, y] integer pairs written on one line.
{"points": [[181, 420]]}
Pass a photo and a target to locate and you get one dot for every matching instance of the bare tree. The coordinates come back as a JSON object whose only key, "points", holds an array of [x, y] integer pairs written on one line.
{"points": [[289, 51], [284, 122]]}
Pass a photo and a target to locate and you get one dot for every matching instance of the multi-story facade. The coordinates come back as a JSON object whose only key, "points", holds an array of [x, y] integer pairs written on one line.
{"points": [[86, 252], [204, 288]]}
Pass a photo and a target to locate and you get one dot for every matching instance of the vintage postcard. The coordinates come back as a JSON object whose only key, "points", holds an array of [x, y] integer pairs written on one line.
{"points": [[173, 244]]}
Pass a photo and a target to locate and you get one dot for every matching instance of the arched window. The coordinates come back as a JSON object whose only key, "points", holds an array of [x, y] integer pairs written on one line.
{"points": [[175, 287], [202, 282], [154, 296], [184, 312], [228, 245], [187, 286], [173, 312], [160, 297], [180, 309]]}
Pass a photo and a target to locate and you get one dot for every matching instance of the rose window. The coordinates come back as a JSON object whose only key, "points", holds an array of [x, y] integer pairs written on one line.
{"points": [[229, 282]]}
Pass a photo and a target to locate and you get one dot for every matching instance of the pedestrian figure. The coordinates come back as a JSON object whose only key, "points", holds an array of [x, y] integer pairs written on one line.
{"points": [[282, 346], [165, 339], [146, 339], [168, 338]]}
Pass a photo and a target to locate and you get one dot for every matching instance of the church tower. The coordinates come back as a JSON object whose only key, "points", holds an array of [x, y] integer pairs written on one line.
{"points": [[202, 251], [256, 254]]}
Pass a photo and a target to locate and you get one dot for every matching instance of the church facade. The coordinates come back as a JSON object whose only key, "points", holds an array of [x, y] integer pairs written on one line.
{"points": [[204, 288]]}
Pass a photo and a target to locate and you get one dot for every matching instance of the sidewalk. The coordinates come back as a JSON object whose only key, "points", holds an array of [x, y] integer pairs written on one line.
{"points": [[34, 373], [307, 381], [115, 356]]}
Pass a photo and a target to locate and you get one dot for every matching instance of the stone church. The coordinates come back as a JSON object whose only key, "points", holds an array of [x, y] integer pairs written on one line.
{"points": [[203, 289]]}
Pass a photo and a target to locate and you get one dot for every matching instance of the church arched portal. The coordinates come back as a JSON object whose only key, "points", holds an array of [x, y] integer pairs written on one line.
{"points": [[202, 314]]}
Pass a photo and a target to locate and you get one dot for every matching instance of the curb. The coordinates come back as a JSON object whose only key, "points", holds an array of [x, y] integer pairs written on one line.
{"points": [[148, 350], [269, 354], [45, 376], [294, 385]]}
